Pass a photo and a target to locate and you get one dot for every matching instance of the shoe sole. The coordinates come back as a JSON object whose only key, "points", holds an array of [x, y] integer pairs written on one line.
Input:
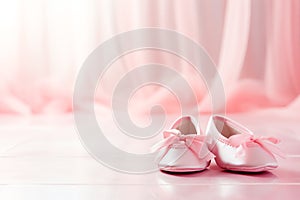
{"points": [[252, 169], [184, 169], [248, 169], [181, 170]]}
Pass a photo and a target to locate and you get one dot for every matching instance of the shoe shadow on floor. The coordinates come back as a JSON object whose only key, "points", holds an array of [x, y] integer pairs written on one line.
{"points": [[183, 174]]}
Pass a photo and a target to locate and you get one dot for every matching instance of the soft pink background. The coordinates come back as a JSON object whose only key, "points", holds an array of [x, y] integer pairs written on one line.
{"points": [[255, 45]]}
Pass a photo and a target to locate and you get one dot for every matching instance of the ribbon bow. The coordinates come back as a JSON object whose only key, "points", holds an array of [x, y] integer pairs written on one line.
{"points": [[194, 142], [245, 140]]}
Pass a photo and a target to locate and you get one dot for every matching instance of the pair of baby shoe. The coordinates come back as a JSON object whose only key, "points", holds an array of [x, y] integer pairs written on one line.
{"points": [[233, 146]]}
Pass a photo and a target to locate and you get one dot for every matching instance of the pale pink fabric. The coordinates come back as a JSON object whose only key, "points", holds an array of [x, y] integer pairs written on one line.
{"points": [[255, 45]]}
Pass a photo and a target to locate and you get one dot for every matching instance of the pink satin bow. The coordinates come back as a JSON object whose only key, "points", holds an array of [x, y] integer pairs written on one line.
{"points": [[247, 140], [192, 141]]}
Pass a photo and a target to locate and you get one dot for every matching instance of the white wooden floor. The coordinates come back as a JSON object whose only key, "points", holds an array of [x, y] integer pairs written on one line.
{"points": [[42, 158]]}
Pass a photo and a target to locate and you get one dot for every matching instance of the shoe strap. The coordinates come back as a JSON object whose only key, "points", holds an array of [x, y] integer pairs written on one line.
{"points": [[245, 140], [196, 143]]}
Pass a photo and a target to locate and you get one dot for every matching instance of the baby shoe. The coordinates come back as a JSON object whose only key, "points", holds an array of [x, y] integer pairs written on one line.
{"points": [[237, 149], [183, 148]]}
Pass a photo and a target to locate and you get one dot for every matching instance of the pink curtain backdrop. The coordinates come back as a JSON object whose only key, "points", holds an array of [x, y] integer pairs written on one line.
{"points": [[255, 45]]}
